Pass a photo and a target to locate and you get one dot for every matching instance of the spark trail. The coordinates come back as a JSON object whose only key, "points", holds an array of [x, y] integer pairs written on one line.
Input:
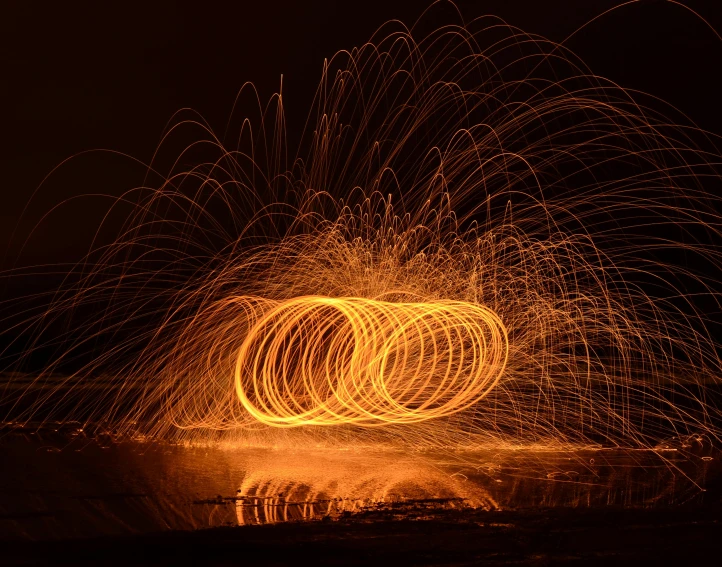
{"points": [[476, 241]]}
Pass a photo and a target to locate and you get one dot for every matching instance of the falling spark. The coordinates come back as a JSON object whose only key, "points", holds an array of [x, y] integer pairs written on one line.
{"points": [[474, 245]]}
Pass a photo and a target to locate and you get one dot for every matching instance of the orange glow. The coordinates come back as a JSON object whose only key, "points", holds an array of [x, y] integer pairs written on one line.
{"points": [[331, 361], [317, 484], [477, 242]]}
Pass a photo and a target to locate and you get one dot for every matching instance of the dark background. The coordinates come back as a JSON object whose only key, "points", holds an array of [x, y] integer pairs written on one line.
{"points": [[85, 75]]}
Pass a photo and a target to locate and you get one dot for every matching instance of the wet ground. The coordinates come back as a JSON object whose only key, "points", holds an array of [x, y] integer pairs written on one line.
{"points": [[533, 537], [66, 498]]}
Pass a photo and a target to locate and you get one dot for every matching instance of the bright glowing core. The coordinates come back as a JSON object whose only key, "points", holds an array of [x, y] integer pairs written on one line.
{"points": [[331, 361]]}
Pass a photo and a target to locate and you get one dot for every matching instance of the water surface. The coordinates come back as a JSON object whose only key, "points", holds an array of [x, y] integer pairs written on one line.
{"points": [[63, 484]]}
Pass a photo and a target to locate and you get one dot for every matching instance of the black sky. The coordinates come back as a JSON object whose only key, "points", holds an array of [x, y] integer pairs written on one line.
{"points": [[84, 75]]}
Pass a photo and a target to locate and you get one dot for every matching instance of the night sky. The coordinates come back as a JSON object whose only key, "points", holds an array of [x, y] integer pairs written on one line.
{"points": [[83, 75]]}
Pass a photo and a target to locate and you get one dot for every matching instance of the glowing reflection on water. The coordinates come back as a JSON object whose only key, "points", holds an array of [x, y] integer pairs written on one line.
{"points": [[98, 486], [307, 485]]}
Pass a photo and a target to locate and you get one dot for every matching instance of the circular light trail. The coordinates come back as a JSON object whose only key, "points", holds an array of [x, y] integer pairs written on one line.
{"points": [[331, 361]]}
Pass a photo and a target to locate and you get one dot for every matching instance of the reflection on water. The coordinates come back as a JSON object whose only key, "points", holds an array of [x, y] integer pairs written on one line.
{"points": [[271, 510], [63, 484], [308, 485]]}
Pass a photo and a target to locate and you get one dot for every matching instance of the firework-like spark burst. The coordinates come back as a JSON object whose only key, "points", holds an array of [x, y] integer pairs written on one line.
{"points": [[476, 241]]}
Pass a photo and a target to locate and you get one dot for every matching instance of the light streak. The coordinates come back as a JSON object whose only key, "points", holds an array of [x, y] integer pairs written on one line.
{"points": [[476, 242], [333, 361]]}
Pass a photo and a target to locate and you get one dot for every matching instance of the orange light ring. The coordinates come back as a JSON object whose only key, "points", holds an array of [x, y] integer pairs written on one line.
{"points": [[317, 360]]}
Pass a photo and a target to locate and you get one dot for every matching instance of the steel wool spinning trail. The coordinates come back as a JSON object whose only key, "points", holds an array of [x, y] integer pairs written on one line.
{"points": [[476, 241], [331, 361]]}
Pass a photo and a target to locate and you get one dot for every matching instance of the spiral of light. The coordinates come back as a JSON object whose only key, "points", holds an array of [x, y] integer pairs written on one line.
{"points": [[330, 361]]}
